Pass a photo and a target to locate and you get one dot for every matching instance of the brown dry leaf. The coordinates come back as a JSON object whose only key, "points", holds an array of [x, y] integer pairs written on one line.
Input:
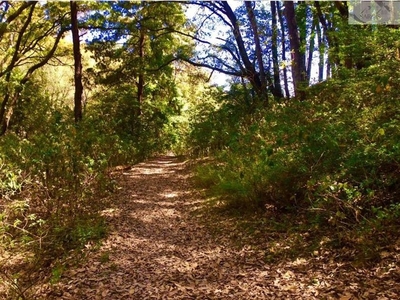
{"points": [[159, 248], [346, 296], [289, 274]]}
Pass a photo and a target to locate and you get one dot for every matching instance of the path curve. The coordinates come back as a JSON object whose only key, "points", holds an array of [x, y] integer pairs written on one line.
{"points": [[158, 249]]}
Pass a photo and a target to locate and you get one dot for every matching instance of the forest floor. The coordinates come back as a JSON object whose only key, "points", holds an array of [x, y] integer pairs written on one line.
{"points": [[165, 243]]}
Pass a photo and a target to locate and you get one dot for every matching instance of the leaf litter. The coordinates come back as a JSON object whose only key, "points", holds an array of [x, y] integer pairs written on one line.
{"points": [[158, 248]]}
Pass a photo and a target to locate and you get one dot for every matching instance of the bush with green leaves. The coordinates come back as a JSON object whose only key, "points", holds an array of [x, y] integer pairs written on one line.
{"points": [[336, 153], [218, 120], [53, 178]]}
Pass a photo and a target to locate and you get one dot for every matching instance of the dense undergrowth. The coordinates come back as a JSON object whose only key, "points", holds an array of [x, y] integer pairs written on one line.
{"points": [[55, 177], [332, 161], [51, 186]]}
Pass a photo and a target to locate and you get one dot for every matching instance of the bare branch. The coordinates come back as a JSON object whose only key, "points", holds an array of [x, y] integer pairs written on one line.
{"points": [[214, 9], [204, 65]]}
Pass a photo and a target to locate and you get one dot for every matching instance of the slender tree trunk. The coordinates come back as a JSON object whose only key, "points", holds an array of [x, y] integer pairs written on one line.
{"points": [[247, 98], [261, 70], [77, 62], [343, 9], [298, 72], [140, 82], [311, 50], [321, 50], [277, 80], [3, 108], [341, 6], [283, 41], [10, 111], [333, 44], [301, 20], [328, 70]]}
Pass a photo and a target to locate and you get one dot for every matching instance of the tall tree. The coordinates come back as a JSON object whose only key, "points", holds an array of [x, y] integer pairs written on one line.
{"points": [[140, 82], [321, 52], [243, 50], [140, 68], [298, 64], [311, 46], [77, 62], [249, 68], [7, 17], [274, 47], [263, 80], [330, 37], [283, 41], [304, 28], [10, 97]]}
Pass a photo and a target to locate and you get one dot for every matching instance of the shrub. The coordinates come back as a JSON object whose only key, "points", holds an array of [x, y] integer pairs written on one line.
{"points": [[337, 152]]}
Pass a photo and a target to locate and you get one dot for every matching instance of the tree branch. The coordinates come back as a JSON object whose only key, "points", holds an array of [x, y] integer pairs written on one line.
{"points": [[13, 16], [46, 58], [204, 65], [16, 54]]}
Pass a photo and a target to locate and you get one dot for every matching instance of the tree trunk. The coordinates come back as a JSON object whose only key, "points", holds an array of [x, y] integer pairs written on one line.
{"points": [[277, 80], [343, 9], [328, 70], [250, 71], [77, 62], [321, 50], [254, 27], [301, 21], [311, 50], [15, 15], [298, 72], [333, 44], [7, 116], [140, 82], [344, 13], [283, 39]]}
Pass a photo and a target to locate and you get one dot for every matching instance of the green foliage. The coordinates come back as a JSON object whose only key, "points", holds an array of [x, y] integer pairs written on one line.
{"points": [[53, 175], [63, 171], [10, 180], [137, 91], [56, 273], [217, 120], [336, 154], [151, 132]]}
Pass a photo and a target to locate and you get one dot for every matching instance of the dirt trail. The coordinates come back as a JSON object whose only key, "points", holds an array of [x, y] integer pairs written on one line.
{"points": [[157, 249]]}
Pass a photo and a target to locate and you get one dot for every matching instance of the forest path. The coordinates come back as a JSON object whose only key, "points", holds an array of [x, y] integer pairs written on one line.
{"points": [[157, 248]]}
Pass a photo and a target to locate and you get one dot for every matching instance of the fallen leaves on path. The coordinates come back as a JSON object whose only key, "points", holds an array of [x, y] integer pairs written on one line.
{"points": [[158, 249]]}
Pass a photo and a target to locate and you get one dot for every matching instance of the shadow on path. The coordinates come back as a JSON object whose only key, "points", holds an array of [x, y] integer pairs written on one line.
{"points": [[156, 249]]}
